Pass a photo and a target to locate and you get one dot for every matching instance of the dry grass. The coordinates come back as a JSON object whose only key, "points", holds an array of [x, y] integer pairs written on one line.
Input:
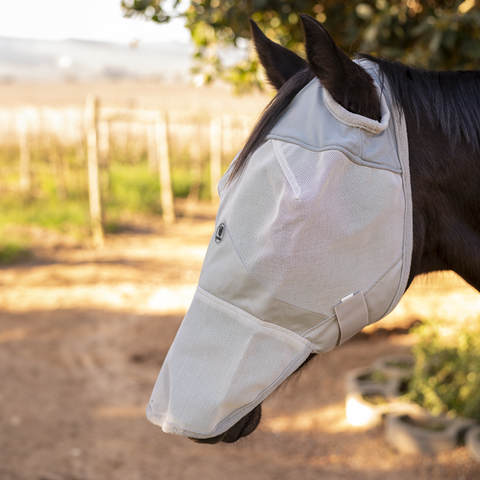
{"points": [[215, 99]]}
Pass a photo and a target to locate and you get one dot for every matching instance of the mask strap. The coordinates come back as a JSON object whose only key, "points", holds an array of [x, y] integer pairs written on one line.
{"points": [[352, 315]]}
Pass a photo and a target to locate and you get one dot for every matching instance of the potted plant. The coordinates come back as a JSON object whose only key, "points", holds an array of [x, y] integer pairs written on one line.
{"points": [[371, 378]]}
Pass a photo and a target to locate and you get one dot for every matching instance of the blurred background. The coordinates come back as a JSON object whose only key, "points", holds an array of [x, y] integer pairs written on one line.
{"points": [[117, 118]]}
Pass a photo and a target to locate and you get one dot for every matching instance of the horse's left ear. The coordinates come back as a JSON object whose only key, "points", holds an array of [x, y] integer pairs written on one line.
{"points": [[348, 83], [280, 63]]}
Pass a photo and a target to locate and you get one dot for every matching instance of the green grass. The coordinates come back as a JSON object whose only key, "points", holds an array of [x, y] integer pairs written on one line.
{"points": [[131, 188], [12, 252], [446, 377], [58, 198], [69, 215], [13, 246]]}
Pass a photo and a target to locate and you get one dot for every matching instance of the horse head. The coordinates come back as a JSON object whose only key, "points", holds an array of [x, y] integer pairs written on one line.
{"points": [[312, 241]]}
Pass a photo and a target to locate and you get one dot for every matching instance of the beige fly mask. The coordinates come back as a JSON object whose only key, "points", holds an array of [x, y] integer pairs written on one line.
{"points": [[312, 243]]}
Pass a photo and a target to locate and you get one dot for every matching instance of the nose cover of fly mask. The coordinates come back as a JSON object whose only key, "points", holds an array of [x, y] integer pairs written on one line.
{"points": [[312, 243]]}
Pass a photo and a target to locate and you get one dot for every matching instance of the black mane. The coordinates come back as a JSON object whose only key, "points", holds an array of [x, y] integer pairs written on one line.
{"points": [[449, 101]]}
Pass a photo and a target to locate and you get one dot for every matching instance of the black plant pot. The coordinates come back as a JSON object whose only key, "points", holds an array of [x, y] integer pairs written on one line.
{"points": [[472, 441], [424, 433]]}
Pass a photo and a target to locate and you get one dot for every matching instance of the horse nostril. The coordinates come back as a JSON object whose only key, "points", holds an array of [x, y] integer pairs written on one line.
{"points": [[256, 415], [245, 426]]}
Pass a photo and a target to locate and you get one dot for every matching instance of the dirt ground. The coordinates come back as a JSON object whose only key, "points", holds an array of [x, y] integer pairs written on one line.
{"points": [[83, 334]]}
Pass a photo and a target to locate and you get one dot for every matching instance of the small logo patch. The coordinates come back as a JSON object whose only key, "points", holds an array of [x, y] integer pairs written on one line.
{"points": [[220, 233]]}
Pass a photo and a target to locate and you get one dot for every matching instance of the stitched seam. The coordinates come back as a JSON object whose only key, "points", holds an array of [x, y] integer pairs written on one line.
{"points": [[238, 312], [360, 144], [356, 159], [317, 325], [279, 155]]}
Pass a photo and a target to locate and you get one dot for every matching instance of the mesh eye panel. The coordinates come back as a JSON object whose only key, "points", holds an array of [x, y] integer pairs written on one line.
{"points": [[310, 246]]}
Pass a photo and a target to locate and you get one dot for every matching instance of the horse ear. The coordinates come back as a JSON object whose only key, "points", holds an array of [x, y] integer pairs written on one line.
{"points": [[348, 83], [280, 63]]}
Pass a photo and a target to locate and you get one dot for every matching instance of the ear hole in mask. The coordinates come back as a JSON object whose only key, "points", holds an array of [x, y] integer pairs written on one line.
{"points": [[355, 120]]}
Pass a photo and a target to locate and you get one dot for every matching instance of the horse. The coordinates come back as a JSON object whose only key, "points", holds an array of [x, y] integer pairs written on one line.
{"points": [[440, 109]]}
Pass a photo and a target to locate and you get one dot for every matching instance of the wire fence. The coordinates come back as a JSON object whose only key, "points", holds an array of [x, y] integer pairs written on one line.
{"points": [[83, 153]]}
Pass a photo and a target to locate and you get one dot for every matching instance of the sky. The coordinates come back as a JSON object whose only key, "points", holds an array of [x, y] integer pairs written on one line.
{"points": [[99, 20]]}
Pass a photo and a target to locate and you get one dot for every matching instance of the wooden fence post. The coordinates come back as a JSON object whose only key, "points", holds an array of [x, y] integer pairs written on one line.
{"points": [[215, 156], [195, 164], [57, 166], [25, 180], [227, 136], [166, 195], [91, 119], [245, 129], [103, 140], [151, 148]]}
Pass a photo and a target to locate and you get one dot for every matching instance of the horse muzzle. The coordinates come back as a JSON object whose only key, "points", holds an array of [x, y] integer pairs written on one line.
{"points": [[242, 428]]}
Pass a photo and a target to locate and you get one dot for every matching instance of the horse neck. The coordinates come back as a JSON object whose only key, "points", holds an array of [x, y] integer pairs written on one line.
{"points": [[445, 182]]}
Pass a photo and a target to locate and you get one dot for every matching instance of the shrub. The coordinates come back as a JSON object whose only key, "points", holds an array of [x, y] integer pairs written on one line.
{"points": [[446, 377]]}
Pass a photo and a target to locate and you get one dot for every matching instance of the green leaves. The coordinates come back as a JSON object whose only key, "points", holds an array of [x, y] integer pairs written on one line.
{"points": [[431, 34], [149, 9], [446, 378]]}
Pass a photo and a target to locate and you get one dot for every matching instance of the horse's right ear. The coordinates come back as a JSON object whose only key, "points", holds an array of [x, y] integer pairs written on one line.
{"points": [[280, 63], [348, 83]]}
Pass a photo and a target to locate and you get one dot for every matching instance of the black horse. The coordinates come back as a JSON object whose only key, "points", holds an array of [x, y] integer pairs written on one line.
{"points": [[442, 113]]}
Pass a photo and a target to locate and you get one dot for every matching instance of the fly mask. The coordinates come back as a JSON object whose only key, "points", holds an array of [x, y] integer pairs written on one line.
{"points": [[312, 243]]}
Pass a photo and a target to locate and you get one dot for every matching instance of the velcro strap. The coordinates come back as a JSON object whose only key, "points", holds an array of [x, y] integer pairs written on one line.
{"points": [[352, 315]]}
